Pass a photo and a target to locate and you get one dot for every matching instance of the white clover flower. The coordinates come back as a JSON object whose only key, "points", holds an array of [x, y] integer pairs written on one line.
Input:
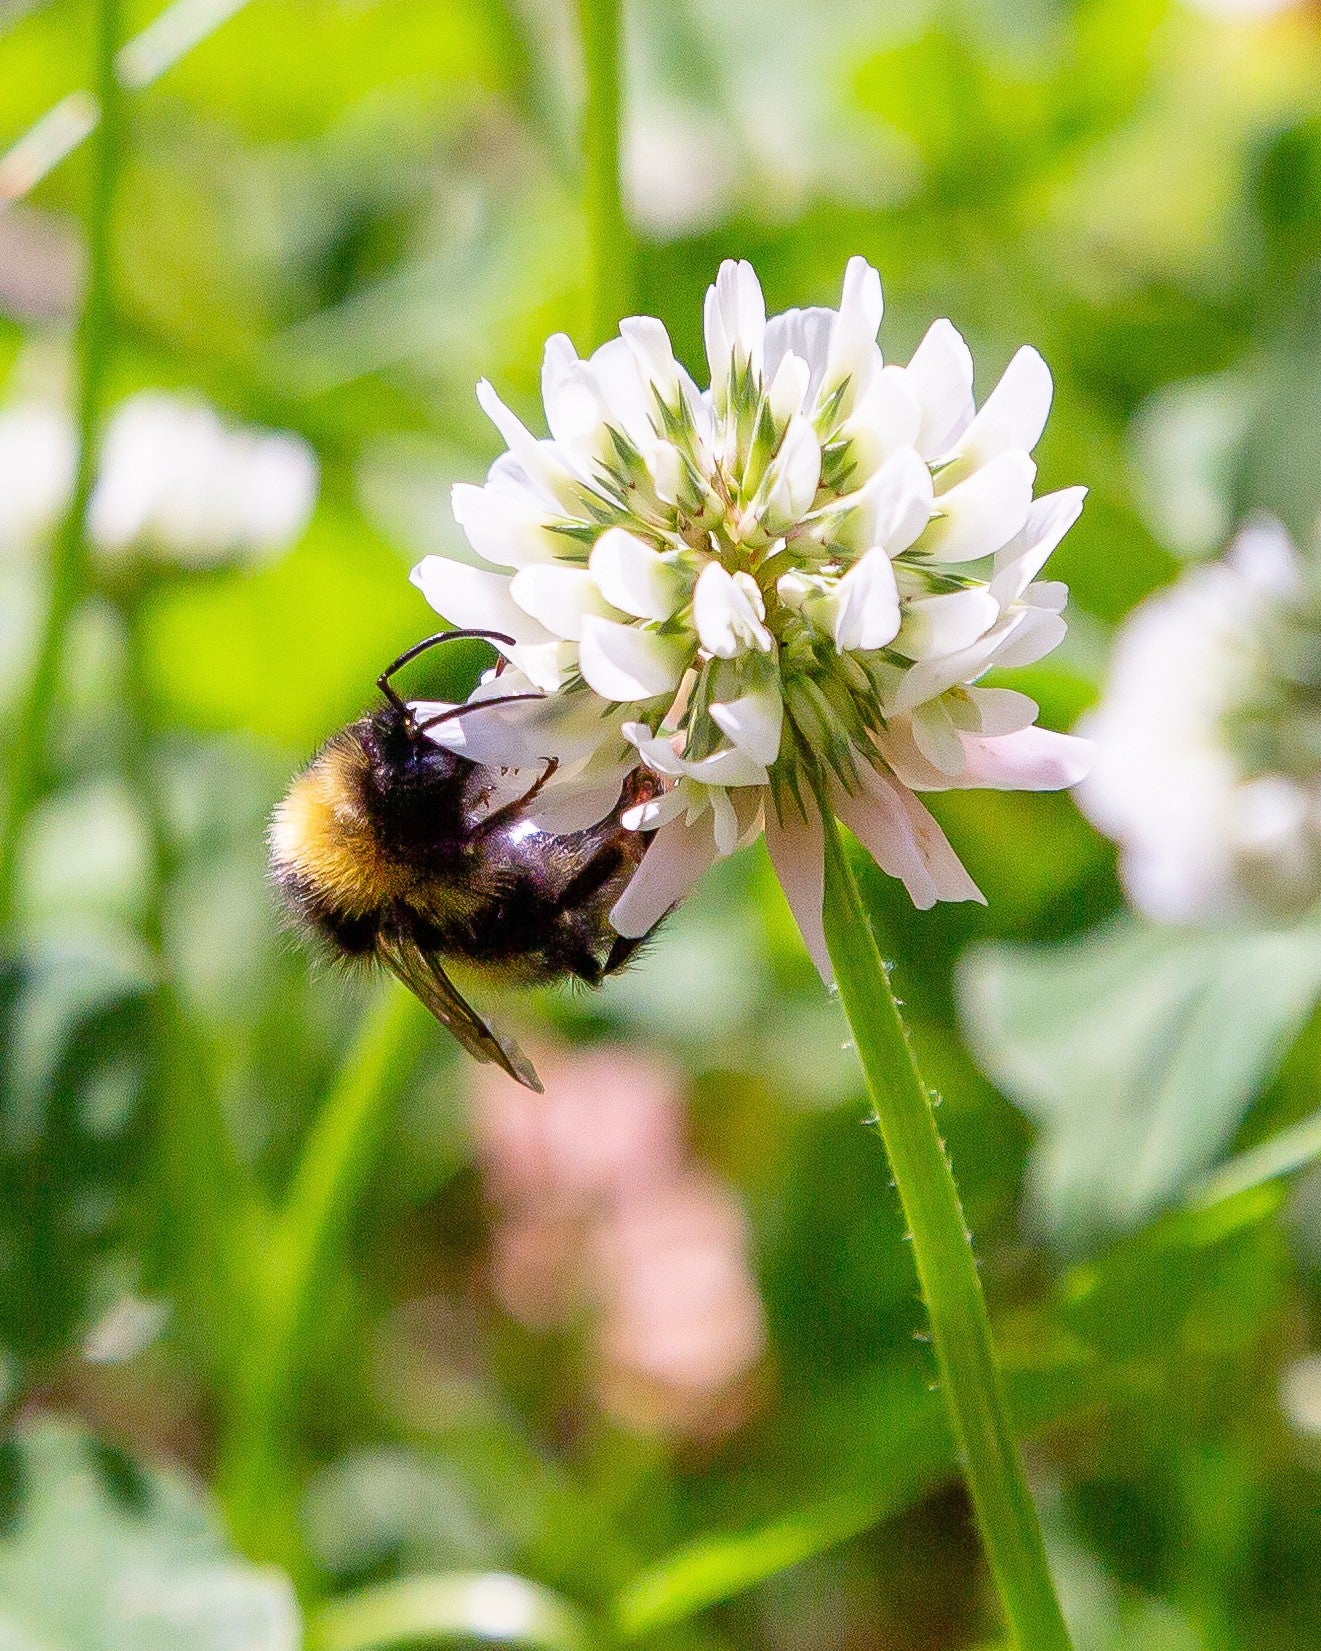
{"points": [[1208, 739], [174, 481], [37, 455], [786, 584]]}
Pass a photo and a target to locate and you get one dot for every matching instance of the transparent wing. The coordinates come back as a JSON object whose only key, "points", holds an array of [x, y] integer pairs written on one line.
{"points": [[424, 976]]}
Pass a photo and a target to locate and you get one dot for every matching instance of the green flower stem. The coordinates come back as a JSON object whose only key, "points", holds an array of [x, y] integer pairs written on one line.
{"points": [[609, 242], [293, 1281], [942, 1248], [212, 1211], [33, 720]]}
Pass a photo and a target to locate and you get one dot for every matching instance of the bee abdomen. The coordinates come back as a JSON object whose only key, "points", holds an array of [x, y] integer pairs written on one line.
{"points": [[351, 933]]}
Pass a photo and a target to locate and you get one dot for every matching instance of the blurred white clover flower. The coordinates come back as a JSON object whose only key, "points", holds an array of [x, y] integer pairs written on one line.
{"points": [[790, 581], [174, 476], [1208, 739], [37, 453], [174, 481]]}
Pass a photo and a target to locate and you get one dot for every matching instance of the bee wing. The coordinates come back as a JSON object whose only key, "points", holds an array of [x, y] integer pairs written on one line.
{"points": [[425, 977]]}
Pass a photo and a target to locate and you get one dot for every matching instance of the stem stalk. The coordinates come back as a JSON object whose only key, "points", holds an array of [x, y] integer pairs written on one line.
{"points": [[609, 242], [942, 1249], [34, 717]]}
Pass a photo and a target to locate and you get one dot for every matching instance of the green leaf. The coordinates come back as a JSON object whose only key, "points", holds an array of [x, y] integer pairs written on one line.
{"points": [[272, 651], [916, 1454], [1137, 1051], [424, 1610], [73, 1042], [141, 1563]]}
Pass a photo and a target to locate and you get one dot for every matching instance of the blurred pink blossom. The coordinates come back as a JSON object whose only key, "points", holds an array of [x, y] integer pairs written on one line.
{"points": [[604, 1220]]}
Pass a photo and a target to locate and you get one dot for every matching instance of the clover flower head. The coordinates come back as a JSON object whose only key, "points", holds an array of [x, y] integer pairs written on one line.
{"points": [[175, 482], [780, 589], [1208, 738]]}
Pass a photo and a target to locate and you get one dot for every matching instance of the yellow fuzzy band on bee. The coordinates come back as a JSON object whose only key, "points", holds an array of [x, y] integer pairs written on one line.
{"points": [[321, 835]]}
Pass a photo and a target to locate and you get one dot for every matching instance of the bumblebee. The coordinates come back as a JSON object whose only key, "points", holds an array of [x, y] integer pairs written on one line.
{"points": [[387, 850]]}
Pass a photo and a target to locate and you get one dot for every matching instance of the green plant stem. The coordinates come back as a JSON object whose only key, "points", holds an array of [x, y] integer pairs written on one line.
{"points": [[326, 1186], [609, 242], [942, 1248], [213, 1216], [34, 718]]}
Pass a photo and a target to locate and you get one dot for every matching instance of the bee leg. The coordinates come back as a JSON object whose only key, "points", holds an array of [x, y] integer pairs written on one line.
{"points": [[511, 811], [588, 969], [623, 949]]}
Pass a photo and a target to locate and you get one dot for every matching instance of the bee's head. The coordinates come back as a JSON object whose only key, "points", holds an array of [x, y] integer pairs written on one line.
{"points": [[398, 756]]}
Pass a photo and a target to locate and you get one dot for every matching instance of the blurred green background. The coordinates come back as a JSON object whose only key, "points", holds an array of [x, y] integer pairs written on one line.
{"points": [[308, 1328]]}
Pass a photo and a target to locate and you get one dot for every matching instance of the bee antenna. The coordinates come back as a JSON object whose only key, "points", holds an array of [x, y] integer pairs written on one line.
{"points": [[473, 705], [383, 681]]}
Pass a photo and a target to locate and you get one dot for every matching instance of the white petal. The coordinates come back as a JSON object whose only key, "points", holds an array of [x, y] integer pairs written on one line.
{"points": [[658, 750], [1034, 759], [853, 356], [724, 822], [1018, 562], [668, 471], [1264, 556], [886, 419], [1049, 594], [473, 599], [624, 662], [1014, 414], [634, 577], [788, 391], [938, 625], [559, 597], [656, 811], [793, 476], [937, 738], [1001, 711], [896, 745], [570, 804], [804, 333], [798, 855], [525, 734], [650, 346], [626, 396], [981, 514], [575, 729], [940, 375], [575, 410], [542, 461], [38, 452], [726, 616], [730, 766], [891, 509], [866, 603], [1037, 633], [933, 676], [735, 323], [545, 664], [481, 736], [508, 529], [676, 857], [752, 722], [904, 840]]}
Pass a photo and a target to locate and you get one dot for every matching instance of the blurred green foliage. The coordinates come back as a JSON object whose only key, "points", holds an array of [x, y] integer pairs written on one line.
{"points": [[336, 216]]}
